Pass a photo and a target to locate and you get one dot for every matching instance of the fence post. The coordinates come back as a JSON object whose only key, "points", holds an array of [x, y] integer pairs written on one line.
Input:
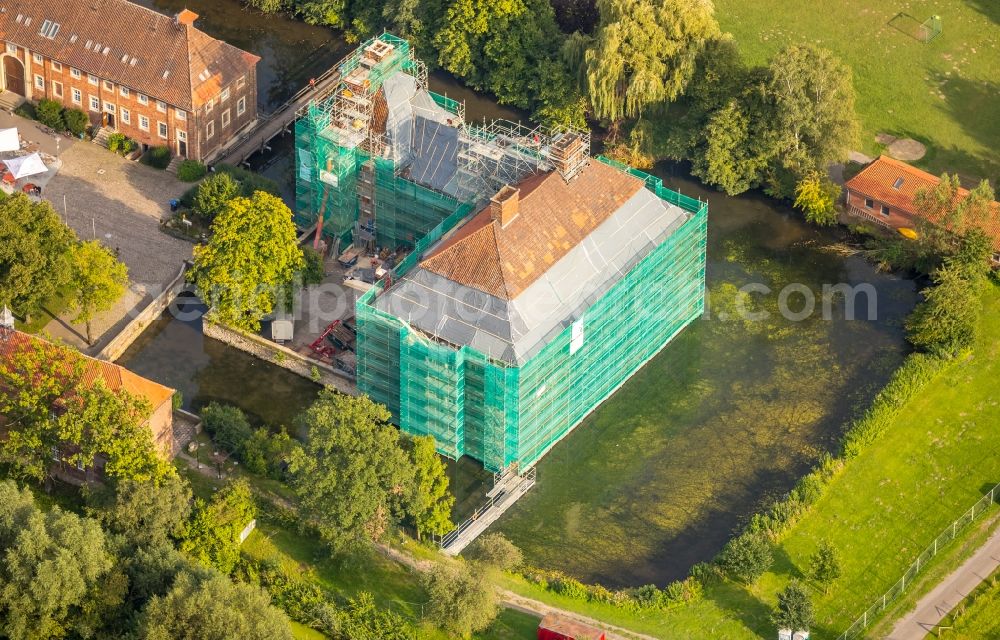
{"points": [[935, 546]]}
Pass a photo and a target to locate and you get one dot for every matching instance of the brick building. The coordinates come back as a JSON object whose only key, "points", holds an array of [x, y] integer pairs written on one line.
{"points": [[884, 193], [155, 78]]}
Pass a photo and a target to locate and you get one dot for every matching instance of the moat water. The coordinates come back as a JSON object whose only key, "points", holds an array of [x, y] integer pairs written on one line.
{"points": [[728, 416]]}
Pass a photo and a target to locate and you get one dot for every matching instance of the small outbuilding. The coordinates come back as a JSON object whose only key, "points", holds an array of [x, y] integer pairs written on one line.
{"points": [[556, 627]]}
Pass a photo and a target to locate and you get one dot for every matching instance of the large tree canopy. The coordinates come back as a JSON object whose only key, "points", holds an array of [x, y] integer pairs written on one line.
{"points": [[53, 563], [34, 253], [249, 260], [98, 279], [352, 476], [643, 52]]}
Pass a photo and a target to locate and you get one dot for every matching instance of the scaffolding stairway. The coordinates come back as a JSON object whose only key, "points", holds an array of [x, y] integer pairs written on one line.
{"points": [[508, 487]]}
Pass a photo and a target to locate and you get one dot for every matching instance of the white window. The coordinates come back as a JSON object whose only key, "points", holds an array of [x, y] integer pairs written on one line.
{"points": [[869, 203], [241, 106], [210, 131], [77, 96], [92, 79], [37, 57], [74, 72], [39, 82], [126, 116], [182, 135], [109, 107], [109, 86], [12, 48], [142, 99], [225, 95], [241, 82], [79, 465], [180, 114], [577, 340], [56, 66], [124, 91], [95, 104], [161, 106], [225, 118], [144, 123], [57, 89], [208, 106], [161, 128]]}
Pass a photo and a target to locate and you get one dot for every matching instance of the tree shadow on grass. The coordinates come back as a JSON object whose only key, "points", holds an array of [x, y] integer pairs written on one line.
{"points": [[973, 104], [744, 606], [989, 8]]}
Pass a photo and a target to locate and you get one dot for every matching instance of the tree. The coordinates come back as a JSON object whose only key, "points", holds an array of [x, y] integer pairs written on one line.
{"points": [[730, 160], [147, 514], [35, 249], [212, 535], [249, 260], [945, 322], [96, 420], [495, 550], [642, 53], [460, 601], [946, 214], [98, 279], [76, 121], [430, 502], [824, 565], [812, 109], [49, 113], [213, 607], [266, 6], [747, 557], [227, 425], [33, 378], [214, 194], [351, 476], [54, 566], [815, 195], [794, 609]]}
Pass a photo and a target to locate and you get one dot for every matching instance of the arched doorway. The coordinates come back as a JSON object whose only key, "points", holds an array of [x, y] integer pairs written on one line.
{"points": [[13, 73]]}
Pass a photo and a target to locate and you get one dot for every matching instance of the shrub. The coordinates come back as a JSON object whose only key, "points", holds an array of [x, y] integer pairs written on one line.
{"points": [[227, 425], [264, 453], [460, 601], [191, 171], [495, 550], [945, 322], [116, 142], [157, 157], [212, 534], [50, 113], [76, 121], [313, 272], [213, 194], [26, 110], [746, 557]]}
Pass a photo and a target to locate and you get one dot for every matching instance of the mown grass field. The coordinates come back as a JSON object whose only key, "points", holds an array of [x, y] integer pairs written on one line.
{"points": [[978, 616], [943, 93]]}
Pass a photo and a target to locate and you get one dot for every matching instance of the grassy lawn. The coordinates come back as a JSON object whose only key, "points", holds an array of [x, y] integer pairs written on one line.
{"points": [[51, 308], [976, 617], [942, 93]]}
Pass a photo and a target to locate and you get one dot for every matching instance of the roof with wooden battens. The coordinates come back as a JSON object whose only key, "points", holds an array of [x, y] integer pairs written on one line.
{"points": [[552, 217], [166, 58], [114, 376], [896, 183]]}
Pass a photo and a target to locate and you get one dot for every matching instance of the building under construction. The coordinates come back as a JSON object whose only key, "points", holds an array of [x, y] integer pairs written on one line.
{"points": [[525, 281]]}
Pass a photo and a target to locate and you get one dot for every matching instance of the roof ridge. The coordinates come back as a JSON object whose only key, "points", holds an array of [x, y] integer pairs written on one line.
{"points": [[492, 226]]}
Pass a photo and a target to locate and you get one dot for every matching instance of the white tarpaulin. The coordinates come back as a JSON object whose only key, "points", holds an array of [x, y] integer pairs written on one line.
{"points": [[25, 166], [9, 140]]}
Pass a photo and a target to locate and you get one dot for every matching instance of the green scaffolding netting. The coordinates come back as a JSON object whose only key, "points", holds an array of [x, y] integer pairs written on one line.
{"points": [[502, 414]]}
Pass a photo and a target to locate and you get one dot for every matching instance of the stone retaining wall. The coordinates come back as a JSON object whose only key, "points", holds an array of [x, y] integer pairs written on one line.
{"points": [[281, 355], [114, 349]]}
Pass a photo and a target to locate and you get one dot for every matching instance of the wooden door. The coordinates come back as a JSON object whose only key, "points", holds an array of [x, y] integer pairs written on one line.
{"points": [[13, 72]]}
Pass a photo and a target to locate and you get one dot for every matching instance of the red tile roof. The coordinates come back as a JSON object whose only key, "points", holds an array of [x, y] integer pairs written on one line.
{"points": [[114, 376], [553, 217], [130, 45], [878, 181]]}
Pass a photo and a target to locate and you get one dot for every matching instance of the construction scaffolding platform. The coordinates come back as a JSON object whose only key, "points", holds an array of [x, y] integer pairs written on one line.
{"points": [[507, 489]]}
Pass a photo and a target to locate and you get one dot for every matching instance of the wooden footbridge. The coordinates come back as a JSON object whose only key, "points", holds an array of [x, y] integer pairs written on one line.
{"points": [[257, 136]]}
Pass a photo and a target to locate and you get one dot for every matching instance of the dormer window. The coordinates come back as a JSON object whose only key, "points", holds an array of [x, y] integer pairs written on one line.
{"points": [[898, 183]]}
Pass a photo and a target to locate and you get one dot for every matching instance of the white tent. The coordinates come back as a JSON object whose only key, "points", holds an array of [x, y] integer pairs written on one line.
{"points": [[9, 140], [25, 166]]}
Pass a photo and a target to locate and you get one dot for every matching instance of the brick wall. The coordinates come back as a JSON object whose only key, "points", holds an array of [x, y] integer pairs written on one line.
{"points": [[136, 115]]}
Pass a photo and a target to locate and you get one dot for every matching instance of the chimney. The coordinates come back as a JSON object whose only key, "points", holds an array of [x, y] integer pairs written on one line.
{"points": [[186, 18], [503, 206]]}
